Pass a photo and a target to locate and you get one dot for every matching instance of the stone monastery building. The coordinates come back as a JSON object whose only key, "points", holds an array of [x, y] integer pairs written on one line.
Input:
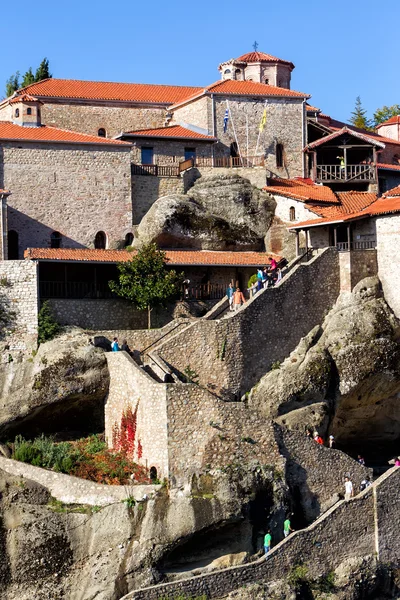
{"points": [[84, 161]]}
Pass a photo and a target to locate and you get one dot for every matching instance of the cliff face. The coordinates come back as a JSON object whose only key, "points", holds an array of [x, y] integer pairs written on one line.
{"points": [[221, 212], [344, 377]]}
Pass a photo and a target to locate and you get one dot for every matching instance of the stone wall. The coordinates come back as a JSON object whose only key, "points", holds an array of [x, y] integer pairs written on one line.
{"points": [[90, 117], [169, 151], [256, 175], [231, 354], [356, 265], [196, 113], [132, 388], [146, 189], [74, 189], [19, 297], [388, 249], [349, 530], [73, 490]]}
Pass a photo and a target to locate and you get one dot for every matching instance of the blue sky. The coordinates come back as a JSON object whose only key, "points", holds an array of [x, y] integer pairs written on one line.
{"points": [[340, 49]]}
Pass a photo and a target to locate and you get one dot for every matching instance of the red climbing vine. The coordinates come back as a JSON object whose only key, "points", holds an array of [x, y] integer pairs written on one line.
{"points": [[124, 435]]}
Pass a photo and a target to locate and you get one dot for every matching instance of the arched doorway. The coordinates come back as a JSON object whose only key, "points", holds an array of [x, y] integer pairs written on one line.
{"points": [[153, 473], [234, 150], [13, 245], [55, 239], [128, 239], [100, 241]]}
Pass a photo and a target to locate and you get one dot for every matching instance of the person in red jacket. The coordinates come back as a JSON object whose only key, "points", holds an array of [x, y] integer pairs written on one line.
{"points": [[318, 438]]}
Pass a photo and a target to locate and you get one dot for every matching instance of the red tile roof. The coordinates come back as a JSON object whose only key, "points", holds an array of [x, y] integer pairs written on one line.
{"points": [[104, 90], [174, 131], [299, 189], [231, 87], [392, 193], [251, 57], [391, 121], [24, 98], [312, 108], [9, 131], [175, 257], [5, 192], [388, 167], [349, 203]]}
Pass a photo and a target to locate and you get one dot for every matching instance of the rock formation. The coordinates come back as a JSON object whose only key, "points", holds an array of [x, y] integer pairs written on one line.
{"points": [[222, 212], [344, 377], [63, 385]]}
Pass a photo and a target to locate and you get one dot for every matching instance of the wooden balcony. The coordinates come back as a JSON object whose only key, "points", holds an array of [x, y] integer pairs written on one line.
{"points": [[156, 170], [336, 173]]}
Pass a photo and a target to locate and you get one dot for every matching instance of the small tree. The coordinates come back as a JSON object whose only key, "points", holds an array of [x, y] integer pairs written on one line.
{"points": [[12, 84], [385, 112], [42, 72], [28, 79], [48, 327], [145, 280], [359, 116]]}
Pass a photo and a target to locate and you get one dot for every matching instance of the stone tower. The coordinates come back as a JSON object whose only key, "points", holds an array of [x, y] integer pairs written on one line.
{"points": [[259, 67], [25, 110]]}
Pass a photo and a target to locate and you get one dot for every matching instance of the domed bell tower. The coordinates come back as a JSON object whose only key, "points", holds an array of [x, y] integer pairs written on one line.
{"points": [[25, 110]]}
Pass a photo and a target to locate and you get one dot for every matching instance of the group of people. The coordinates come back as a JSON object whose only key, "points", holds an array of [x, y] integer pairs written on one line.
{"points": [[115, 347], [266, 276], [287, 529]]}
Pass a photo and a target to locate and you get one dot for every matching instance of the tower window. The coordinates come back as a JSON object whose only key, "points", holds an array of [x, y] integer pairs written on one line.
{"points": [[292, 213], [227, 71], [279, 155], [17, 112], [100, 240], [128, 239], [267, 82], [101, 132], [29, 111], [279, 82], [13, 245], [55, 239]]}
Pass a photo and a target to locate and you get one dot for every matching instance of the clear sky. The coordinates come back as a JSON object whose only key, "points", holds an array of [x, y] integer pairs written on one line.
{"points": [[341, 49]]}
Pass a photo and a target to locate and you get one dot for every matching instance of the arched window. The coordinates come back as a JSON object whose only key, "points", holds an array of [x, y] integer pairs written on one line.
{"points": [[17, 112], [29, 110], [153, 473], [292, 213], [55, 239], [128, 239], [227, 71], [101, 132], [279, 155], [100, 240], [267, 82], [238, 71], [13, 245]]}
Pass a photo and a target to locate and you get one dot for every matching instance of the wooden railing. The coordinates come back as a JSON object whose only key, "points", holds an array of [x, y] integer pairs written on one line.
{"points": [[347, 173], [363, 245], [157, 170], [204, 291], [74, 289], [230, 162]]}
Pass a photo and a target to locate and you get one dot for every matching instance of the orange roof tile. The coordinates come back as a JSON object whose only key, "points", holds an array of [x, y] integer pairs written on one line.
{"points": [[104, 90], [9, 131], [349, 203], [5, 192], [174, 131], [392, 193], [312, 108], [388, 167], [24, 98], [174, 257], [231, 87], [251, 57], [391, 121], [301, 190]]}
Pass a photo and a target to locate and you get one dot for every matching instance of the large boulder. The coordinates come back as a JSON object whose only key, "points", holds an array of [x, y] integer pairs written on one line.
{"points": [[62, 387], [344, 377], [223, 212]]}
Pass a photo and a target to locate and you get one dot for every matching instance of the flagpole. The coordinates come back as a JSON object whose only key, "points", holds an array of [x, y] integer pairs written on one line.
{"points": [[259, 130], [234, 131]]}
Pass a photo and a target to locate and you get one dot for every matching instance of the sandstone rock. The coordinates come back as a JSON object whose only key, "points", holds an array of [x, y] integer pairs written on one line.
{"points": [[64, 384], [351, 364], [223, 212]]}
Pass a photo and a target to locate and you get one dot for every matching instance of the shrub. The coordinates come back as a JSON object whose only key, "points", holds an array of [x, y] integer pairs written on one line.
{"points": [[252, 280], [48, 327], [298, 576]]}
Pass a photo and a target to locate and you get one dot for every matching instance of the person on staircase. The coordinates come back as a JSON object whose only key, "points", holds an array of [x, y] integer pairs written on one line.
{"points": [[238, 299]]}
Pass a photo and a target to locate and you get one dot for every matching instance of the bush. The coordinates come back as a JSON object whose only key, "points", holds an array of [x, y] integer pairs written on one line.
{"points": [[48, 327], [298, 576], [252, 280]]}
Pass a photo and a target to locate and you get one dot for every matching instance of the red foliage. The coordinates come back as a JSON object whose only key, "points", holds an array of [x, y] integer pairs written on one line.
{"points": [[124, 435], [139, 450]]}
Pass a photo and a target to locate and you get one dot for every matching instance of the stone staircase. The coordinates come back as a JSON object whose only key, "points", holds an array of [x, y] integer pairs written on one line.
{"points": [[366, 525]]}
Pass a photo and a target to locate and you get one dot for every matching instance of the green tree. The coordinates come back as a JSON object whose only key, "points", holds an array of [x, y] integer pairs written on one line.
{"points": [[359, 116], [12, 84], [385, 112], [42, 72], [145, 280], [48, 327], [28, 79]]}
